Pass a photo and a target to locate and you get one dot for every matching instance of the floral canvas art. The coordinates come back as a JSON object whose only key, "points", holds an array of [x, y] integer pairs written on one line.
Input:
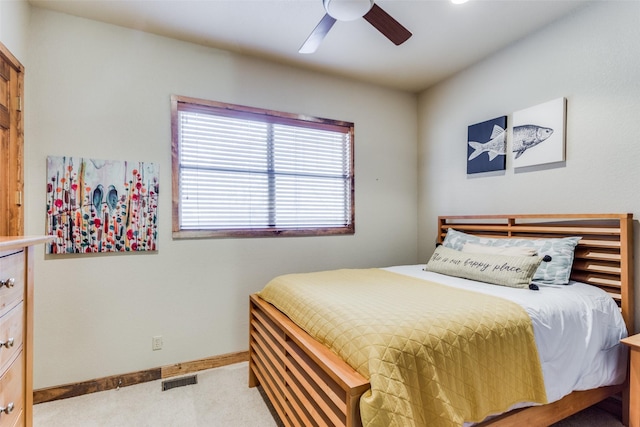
{"points": [[101, 205]]}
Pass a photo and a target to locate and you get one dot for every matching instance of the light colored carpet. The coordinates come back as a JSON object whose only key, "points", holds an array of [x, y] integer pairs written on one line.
{"points": [[220, 399]]}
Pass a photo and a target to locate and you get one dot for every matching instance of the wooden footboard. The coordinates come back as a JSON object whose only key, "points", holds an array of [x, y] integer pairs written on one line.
{"points": [[310, 386], [307, 384]]}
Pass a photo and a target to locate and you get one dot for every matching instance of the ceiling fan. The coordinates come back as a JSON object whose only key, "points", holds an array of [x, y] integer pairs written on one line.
{"points": [[349, 10]]}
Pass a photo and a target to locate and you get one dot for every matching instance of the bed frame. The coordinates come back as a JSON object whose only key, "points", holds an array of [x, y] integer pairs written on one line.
{"points": [[308, 385]]}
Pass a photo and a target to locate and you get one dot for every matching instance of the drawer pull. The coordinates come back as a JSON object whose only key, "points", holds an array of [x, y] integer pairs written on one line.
{"points": [[9, 283], [8, 409], [8, 343]]}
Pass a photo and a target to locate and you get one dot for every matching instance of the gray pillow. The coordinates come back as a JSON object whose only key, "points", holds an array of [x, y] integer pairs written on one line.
{"points": [[554, 272], [505, 270]]}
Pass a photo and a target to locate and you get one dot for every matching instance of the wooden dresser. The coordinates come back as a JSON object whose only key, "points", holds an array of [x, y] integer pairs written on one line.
{"points": [[16, 330]]}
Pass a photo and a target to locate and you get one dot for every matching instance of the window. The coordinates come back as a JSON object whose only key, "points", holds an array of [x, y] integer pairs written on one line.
{"points": [[244, 172]]}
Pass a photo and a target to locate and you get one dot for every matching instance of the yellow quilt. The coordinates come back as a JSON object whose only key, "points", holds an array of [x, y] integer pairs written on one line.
{"points": [[434, 355]]}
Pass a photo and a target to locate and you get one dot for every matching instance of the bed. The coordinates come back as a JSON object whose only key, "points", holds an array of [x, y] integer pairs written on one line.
{"points": [[309, 384]]}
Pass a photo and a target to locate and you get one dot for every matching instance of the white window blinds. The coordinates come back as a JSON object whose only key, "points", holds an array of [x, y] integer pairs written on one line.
{"points": [[254, 172]]}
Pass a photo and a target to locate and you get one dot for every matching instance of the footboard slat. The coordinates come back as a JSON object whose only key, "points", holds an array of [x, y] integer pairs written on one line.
{"points": [[268, 385], [313, 393], [317, 378], [291, 417], [303, 402], [313, 386]]}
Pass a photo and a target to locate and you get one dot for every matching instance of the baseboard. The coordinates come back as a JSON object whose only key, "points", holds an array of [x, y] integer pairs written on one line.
{"points": [[108, 383], [202, 364]]}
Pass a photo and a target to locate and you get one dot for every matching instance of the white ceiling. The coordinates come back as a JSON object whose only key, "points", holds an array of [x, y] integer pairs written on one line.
{"points": [[446, 37]]}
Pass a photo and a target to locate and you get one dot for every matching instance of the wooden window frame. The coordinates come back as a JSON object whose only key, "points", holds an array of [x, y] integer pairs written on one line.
{"points": [[193, 104]]}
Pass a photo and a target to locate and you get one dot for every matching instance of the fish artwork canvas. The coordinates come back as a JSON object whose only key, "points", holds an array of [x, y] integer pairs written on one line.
{"points": [[487, 146], [539, 134], [96, 206]]}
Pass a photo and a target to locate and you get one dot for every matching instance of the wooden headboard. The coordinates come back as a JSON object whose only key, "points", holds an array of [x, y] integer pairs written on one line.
{"points": [[603, 257]]}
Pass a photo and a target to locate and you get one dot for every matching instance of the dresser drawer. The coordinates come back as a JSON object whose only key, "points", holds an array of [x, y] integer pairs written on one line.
{"points": [[20, 420], [12, 274], [11, 332], [12, 393]]}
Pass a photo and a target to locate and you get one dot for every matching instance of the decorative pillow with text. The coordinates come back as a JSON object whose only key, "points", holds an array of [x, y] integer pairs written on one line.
{"points": [[505, 270]]}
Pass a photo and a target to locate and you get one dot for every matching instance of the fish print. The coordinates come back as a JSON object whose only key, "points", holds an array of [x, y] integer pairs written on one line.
{"points": [[527, 136], [495, 147]]}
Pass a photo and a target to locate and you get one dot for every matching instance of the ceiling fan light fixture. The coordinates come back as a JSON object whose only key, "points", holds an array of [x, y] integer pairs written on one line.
{"points": [[347, 10]]}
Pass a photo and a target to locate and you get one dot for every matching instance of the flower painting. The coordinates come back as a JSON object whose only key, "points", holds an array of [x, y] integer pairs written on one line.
{"points": [[101, 205]]}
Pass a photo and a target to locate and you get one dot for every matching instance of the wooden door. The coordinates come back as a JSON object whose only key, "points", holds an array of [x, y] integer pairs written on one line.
{"points": [[11, 144]]}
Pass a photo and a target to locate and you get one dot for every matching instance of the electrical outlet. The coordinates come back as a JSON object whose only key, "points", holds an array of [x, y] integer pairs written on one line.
{"points": [[156, 343]]}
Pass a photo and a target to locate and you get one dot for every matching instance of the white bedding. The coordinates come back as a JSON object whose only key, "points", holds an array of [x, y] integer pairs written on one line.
{"points": [[577, 329]]}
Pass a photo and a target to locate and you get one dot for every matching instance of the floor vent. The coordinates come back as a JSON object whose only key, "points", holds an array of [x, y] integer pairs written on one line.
{"points": [[179, 382]]}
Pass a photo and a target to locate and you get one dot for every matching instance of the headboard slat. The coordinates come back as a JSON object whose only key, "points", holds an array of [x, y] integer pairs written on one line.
{"points": [[598, 266], [602, 254], [550, 229]]}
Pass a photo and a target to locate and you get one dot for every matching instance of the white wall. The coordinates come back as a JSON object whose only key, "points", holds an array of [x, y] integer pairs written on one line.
{"points": [[101, 91], [14, 26], [593, 59]]}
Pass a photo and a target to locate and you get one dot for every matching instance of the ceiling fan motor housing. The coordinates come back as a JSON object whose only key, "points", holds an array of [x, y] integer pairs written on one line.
{"points": [[347, 10]]}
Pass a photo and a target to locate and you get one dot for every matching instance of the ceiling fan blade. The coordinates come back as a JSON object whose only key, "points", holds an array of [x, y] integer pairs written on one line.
{"points": [[388, 26], [317, 35]]}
